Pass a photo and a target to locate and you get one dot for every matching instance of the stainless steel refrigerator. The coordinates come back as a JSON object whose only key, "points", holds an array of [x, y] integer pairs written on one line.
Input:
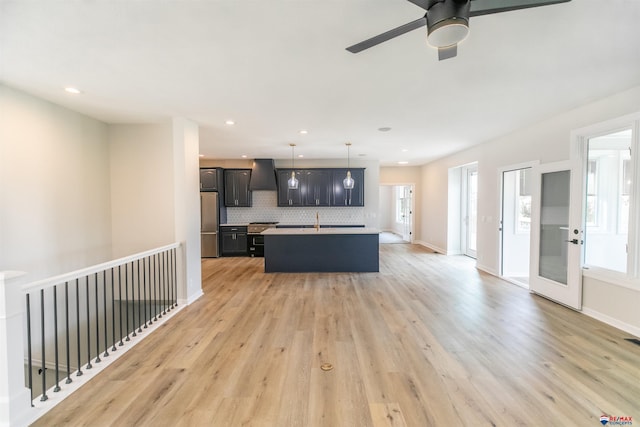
{"points": [[209, 221]]}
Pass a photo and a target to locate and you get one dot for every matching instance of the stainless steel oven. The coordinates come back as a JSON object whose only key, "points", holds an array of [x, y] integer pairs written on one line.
{"points": [[255, 239]]}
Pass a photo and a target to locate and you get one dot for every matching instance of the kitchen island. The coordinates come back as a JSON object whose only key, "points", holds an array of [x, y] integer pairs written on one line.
{"points": [[321, 250]]}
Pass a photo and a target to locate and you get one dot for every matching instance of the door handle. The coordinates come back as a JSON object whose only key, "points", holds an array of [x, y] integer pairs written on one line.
{"points": [[574, 241]]}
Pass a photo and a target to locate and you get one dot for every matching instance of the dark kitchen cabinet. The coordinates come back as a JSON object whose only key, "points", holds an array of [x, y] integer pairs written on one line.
{"points": [[233, 240], [316, 190], [321, 187], [236, 187], [286, 196], [210, 179], [352, 197]]}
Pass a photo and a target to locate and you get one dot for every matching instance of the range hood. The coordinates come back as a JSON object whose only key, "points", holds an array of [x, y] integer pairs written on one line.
{"points": [[263, 175]]}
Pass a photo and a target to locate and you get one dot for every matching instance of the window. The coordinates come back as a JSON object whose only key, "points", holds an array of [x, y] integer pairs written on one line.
{"points": [[591, 214], [608, 200]]}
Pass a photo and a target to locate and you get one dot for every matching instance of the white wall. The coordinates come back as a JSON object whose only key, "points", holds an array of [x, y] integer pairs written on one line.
{"points": [[55, 208], [142, 187], [546, 141], [387, 206], [186, 197]]}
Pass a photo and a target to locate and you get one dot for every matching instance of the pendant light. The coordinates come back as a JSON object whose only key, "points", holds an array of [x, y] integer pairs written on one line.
{"points": [[348, 182], [292, 183]]}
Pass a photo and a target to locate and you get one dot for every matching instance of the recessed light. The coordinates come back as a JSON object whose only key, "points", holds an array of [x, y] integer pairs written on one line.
{"points": [[300, 155], [244, 156], [384, 129], [229, 122], [303, 132], [404, 150], [73, 90], [201, 155], [403, 163]]}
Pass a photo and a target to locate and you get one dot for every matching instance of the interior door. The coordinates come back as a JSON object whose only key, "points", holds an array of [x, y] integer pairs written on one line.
{"points": [[556, 235]]}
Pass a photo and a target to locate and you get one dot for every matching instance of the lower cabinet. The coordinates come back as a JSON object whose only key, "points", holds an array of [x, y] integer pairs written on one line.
{"points": [[233, 240]]}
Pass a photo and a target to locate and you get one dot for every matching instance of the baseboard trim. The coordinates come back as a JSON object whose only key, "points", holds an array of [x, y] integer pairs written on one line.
{"points": [[486, 269], [431, 247], [193, 298], [611, 321]]}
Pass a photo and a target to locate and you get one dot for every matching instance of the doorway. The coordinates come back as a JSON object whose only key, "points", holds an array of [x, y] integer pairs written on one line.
{"points": [[396, 213], [515, 225]]}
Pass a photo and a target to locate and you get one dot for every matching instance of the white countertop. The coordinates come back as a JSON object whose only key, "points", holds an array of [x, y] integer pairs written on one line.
{"points": [[312, 231]]}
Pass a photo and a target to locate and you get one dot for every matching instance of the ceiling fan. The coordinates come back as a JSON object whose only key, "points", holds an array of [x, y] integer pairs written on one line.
{"points": [[447, 21]]}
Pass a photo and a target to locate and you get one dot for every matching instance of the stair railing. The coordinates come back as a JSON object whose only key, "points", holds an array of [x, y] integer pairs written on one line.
{"points": [[54, 332]]}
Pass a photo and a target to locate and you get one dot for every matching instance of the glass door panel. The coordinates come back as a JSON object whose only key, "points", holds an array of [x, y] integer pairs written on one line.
{"points": [[554, 225]]}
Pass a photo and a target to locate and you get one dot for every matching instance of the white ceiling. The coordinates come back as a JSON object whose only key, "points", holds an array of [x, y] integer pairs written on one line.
{"points": [[279, 66]]}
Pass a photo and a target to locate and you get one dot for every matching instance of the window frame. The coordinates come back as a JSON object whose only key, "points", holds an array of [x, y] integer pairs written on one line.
{"points": [[579, 157]]}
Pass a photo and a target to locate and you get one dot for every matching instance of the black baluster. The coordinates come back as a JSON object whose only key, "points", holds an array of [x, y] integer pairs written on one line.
{"points": [[165, 294], [133, 297], [88, 325], [120, 302], [152, 286], [29, 358], [55, 337], [126, 292], [95, 277], [157, 285], [144, 289], [139, 300], [161, 285], [175, 277], [113, 314], [68, 332], [168, 286], [104, 307], [79, 373], [42, 351]]}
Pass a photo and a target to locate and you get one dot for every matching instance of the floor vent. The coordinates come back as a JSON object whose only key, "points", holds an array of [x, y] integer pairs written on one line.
{"points": [[633, 340]]}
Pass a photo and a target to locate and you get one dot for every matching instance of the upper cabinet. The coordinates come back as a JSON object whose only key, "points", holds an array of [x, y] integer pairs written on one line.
{"points": [[351, 197], [316, 188], [236, 187], [210, 179], [320, 187], [287, 196]]}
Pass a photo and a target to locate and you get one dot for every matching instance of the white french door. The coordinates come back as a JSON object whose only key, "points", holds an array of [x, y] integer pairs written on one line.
{"points": [[556, 234], [407, 213]]}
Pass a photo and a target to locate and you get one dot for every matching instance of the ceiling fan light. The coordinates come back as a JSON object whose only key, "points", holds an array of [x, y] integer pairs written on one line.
{"points": [[448, 32]]}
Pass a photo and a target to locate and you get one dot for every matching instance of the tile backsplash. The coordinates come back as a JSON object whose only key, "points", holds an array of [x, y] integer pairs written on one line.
{"points": [[265, 208]]}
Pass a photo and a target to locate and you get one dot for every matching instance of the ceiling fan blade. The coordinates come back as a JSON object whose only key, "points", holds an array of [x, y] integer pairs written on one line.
{"points": [[425, 4], [447, 52], [486, 7], [359, 47]]}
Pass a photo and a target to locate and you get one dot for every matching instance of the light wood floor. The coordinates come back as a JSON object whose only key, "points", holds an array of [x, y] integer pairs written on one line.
{"points": [[428, 341]]}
